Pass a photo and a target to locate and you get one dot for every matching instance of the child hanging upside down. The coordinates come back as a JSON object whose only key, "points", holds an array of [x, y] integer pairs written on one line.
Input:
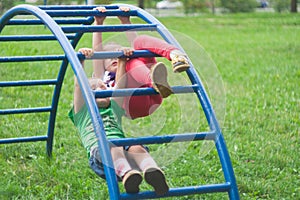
{"points": [[140, 72], [124, 158]]}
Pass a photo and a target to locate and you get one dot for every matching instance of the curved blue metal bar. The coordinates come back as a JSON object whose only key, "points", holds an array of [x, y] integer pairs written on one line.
{"points": [[70, 56], [83, 82], [205, 102]]}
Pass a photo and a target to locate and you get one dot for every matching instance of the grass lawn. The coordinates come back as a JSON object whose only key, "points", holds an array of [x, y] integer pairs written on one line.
{"points": [[256, 61]]}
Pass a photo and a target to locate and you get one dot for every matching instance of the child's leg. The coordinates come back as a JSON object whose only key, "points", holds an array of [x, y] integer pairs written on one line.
{"points": [[152, 173], [154, 45], [131, 178], [141, 157], [120, 162], [141, 106], [139, 75], [162, 48]]}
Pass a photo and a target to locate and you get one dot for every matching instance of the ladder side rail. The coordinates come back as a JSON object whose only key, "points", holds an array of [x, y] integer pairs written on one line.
{"points": [[54, 105], [227, 167], [207, 107], [83, 82], [214, 125]]}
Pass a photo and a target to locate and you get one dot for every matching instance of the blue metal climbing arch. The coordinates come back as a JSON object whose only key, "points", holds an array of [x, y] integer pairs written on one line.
{"points": [[78, 20]]}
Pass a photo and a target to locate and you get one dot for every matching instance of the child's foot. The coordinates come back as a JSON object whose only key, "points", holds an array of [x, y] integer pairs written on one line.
{"points": [[156, 178], [131, 181], [179, 61], [160, 83]]}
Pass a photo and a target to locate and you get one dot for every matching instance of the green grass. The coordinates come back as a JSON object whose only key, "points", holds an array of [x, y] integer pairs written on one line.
{"points": [[257, 58]]}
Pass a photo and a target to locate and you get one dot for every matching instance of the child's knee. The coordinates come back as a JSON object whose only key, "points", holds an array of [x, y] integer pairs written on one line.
{"points": [[137, 149]]}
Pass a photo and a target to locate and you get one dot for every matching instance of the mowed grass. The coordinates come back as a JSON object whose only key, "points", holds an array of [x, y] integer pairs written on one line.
{"points": [[258, 59]]}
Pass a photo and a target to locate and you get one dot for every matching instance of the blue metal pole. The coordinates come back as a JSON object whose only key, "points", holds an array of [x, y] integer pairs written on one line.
{"points": [[83, 82]]}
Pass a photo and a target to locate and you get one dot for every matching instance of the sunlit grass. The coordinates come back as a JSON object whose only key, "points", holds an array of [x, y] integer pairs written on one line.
{"points": [[257, 56]]}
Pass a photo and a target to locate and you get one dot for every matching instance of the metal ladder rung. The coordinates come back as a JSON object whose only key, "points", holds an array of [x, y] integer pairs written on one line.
{"points": [[165, 139], [23, 139], [25, 110], [39, 22], [211, 188], [9, 38], [109, 28], [117, 54], [97, 55], [31, 58], [142, 91], [88, 13], [28, 83], [75, 7]]}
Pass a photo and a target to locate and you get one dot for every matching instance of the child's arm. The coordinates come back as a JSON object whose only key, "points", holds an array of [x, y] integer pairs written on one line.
{"points": [[78, 99], [121, 79], [126, 20], [98, 64]]}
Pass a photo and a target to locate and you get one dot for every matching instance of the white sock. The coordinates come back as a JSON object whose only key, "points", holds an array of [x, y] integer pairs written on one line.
{"points": [[174, 53], [121, 166], [146, 163]]}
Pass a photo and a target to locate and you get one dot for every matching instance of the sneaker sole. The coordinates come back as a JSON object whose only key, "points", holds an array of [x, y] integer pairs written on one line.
{"points": [[132, 182], [180, 67], [160, 83], [157, 180]]}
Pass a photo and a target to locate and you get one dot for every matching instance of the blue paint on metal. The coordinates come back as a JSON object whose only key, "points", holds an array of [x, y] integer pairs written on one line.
{"points": [[17, 38], [24, 139], [25, 110], [164, 139], [68, 43], [39, 22], [213, 188], [106, 28], [28, 83], [142, 91]]}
